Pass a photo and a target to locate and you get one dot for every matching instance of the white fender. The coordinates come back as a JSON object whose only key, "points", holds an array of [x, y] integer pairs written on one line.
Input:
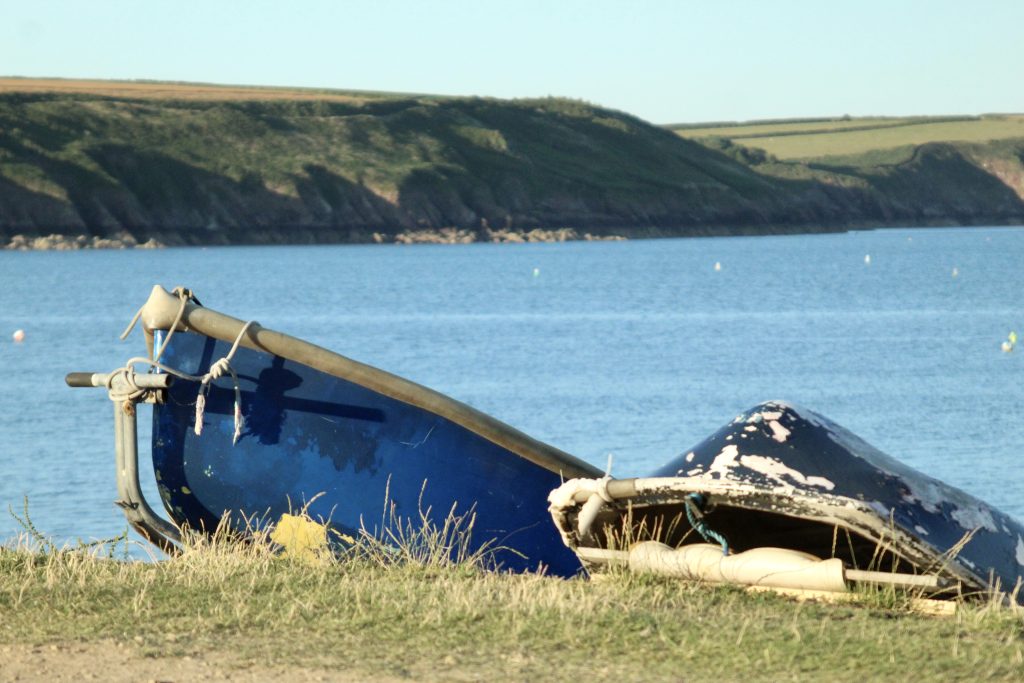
{"points": [[773, 567]]}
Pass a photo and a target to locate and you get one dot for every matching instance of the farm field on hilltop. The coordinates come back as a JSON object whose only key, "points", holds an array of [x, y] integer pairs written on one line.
{"points": [[841, 137], [180, 91]]}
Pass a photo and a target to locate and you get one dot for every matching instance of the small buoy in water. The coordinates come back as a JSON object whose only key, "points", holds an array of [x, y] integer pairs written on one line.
{"points": [[18, 336], [536, 272], [718, 266], [956, 271], [867, 259], [1011, 341]]}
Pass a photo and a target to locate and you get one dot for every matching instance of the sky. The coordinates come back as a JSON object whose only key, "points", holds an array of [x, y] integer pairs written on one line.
{"points": [[666, 62]]}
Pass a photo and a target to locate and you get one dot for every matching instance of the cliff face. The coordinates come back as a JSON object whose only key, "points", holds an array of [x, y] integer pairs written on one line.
{"points": [[218, 172]]}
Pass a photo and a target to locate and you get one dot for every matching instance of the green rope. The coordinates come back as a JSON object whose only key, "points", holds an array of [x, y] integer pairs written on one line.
{"points": [[695, 503]]}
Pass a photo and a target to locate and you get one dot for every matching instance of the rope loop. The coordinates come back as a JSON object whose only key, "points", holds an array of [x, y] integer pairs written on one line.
{"points": [[131, 393], [217, 370]]}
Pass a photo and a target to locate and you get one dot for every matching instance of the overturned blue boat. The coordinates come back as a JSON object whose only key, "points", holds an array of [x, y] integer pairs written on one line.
{"points": [[254, 425], [783, 497]]}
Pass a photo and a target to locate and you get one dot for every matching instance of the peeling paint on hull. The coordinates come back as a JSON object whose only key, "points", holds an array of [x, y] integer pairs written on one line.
{"points": [[806, 491]]}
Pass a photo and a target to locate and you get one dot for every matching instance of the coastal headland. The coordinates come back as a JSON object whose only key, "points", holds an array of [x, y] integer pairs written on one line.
{"points": [[128, 164]]}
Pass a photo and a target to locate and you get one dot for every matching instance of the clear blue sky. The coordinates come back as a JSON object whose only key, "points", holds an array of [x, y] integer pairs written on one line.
{"points": [[663, 61]]}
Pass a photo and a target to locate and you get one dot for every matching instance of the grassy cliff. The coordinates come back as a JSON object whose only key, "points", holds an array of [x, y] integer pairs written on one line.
{"points": [[184, 164]]}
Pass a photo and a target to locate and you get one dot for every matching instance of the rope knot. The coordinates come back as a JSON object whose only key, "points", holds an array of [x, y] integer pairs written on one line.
{"points": [[218, 370]]}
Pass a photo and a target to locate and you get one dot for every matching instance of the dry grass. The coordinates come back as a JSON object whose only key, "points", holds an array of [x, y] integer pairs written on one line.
{"points": [[178, 91], [371, 610]]}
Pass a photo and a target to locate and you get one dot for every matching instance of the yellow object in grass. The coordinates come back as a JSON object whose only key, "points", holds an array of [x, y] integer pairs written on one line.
{"points": [[300, 537]]}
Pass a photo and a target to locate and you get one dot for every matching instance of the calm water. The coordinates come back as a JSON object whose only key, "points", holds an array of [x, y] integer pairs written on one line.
{"points": [[639, 349]]}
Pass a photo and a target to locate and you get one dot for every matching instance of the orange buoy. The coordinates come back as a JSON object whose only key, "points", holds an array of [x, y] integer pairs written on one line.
{"points": [[18, 336]]}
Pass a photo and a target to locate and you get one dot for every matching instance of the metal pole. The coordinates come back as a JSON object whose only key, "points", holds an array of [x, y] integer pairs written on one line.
{"points": [[130, 498]]}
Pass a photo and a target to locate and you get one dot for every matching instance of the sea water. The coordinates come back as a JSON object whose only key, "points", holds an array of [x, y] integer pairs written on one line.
{"points": [[635, 350]]}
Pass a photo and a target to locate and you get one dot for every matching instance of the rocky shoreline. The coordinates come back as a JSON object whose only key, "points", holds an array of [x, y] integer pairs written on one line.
{"points": [[125, 240], [500, 236], [59, 242]]}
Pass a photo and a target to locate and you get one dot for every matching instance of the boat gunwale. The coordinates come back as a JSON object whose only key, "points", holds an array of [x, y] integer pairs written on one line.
{"points": [[162, 309], [637, 493]]}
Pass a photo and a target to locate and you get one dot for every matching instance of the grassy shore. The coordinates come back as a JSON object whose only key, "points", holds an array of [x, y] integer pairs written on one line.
{"points": [[374, 615]]}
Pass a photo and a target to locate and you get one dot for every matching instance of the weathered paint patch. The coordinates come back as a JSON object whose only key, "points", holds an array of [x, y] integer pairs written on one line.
{"points": [[776, 471], [1020, 551], [880, 507], [974, 518], [920, 529], [779, 433], [724, 461], [927, 494], [689, 456]]}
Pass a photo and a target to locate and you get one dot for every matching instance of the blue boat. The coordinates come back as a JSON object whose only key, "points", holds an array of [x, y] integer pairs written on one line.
{"points": [[251, 425], [784, 497]]}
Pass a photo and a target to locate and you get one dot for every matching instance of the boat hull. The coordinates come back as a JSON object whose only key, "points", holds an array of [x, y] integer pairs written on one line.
{"points": [[785, 477], [354, 457]]}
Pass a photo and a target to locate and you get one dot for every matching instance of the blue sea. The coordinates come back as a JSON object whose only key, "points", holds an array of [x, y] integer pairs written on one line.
{"points": [[636, 349]]}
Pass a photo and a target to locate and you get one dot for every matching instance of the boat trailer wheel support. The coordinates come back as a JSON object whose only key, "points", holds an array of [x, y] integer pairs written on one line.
{"points": [[126, 388]]}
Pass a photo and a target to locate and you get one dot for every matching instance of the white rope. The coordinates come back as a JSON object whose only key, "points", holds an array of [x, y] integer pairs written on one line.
{"points": [[131, 393], [165, 368], [131, 325], [184, 295], [216, 371]]}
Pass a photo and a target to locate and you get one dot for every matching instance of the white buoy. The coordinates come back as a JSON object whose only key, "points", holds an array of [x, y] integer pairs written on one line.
{"points": [[867, 259], [956, 271], [18, 336], [1006, 347], [718, 266], [536, 272]]}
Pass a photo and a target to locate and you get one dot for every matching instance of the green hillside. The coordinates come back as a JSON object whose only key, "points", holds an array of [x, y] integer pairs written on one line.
{"points": [[183, 164]]}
